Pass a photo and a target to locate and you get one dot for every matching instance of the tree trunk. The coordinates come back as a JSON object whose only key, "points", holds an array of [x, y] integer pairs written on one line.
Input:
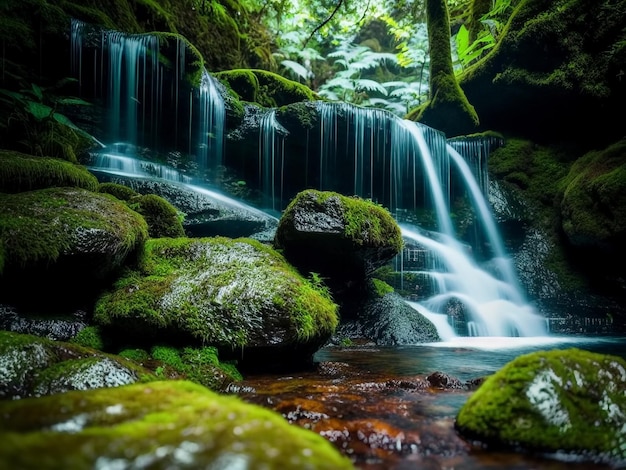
{"points": [[448, 109]]}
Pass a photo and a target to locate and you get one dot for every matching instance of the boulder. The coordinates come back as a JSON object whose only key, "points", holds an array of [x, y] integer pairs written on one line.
{"points": [[571, 402], [32, 366], [337, 236], [168, 424], [238, 295], [22, 172], [62, 244]]}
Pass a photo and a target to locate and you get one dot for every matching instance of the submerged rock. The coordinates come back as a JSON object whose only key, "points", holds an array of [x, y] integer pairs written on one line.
{"points": [[567, 402], [238, 295], [171, 424]]}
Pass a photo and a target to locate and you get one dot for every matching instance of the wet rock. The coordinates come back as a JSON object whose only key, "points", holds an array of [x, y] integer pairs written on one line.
{"points": [[569, 402], [171, 424], [238, 295], [207, 213], [57, 328], [442, 380], [32, 366], [63, 245], [390, 321], [334, 235]]}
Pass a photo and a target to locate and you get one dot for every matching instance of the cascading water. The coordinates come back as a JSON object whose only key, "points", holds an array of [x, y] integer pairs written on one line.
{"points": [[407, 166], [142, 95]]}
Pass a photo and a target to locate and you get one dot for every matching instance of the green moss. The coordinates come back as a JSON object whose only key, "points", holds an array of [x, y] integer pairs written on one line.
{"points": [[21, 172], [265, 88], [216, 291], [123, 193], [158, 421], [163, 219], [38, 227], [89, 337], [567, 401], [381, 287], [448, 108], [134, 354], [593, 203], [366, 223]]}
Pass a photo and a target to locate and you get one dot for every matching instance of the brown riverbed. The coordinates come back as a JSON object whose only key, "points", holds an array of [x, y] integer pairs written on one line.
{"points": [[388, 419]]}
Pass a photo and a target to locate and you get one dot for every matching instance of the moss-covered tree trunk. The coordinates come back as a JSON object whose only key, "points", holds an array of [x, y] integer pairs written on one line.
{"points": [[478, 9], [448, 109]]}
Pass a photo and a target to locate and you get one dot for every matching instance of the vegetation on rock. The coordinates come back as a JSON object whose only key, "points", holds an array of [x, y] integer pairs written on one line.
{"points": [[217, 291], [194, 426], [318, 226], [34, 366], [21, 172], [163, 219], [265, 88], [567, 401]]}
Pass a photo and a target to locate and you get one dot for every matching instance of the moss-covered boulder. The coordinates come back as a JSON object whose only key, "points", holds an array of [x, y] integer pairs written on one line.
{"points": [[21, 172], [34, 366], [337, 236], [162, 217], [568, 401], [59, 243], [593, 206], [572, 89], [168, 424], [238, 295], [265, 88]]}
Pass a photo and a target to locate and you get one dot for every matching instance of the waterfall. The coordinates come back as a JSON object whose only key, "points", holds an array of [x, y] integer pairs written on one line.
{"points": [[409, 168], [271, 160], [141, 92]]}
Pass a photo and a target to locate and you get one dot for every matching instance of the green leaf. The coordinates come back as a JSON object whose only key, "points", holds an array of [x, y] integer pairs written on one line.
{"points": [[38, 110], [462, 40], [73, 101], [371, 85], [296, 68], [36, 89]]}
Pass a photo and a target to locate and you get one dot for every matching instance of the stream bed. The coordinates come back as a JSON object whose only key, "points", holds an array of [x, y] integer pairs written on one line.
{"points": [[395, 407]]}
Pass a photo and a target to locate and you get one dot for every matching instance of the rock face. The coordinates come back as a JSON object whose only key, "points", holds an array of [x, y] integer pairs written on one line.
{"points": [[238, 295], [569, 401], [33, 367], [60, 242], [172, 424], [337, 236], [207, 213], [388, 321]]}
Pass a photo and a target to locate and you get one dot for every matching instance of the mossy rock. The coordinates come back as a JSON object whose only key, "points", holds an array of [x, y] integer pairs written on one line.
{"points": [[235, 294], [34, 366], [319, 228], [163, 219], [265, 88], [168, 424], [564, 401], [21, 172], [593, 206], [120, 191], [582, 44], [59, 241]]}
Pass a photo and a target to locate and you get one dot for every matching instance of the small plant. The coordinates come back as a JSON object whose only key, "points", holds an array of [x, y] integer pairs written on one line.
{"points": [[36, 125]]}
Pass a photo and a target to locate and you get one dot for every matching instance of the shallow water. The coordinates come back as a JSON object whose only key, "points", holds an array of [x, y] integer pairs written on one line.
{"points": [[377, 407], [464, 357]]}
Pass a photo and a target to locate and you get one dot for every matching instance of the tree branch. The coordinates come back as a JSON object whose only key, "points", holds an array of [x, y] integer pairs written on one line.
{"points": [[320, 26]]}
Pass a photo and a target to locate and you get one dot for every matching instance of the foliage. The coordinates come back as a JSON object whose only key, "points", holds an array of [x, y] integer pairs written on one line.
{"points": [[32, 113], [20, 172], [90, 337]]}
